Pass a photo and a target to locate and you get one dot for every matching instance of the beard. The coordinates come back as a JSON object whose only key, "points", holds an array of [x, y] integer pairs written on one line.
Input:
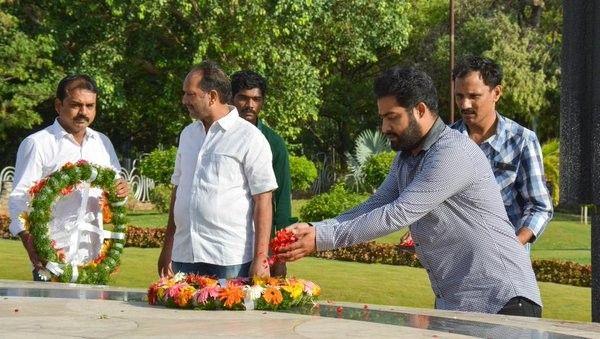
{"points": [[409, 139]]}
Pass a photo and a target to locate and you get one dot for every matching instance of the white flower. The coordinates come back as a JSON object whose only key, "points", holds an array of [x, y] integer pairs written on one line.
{"points": [[180, 276], [254, 291]]}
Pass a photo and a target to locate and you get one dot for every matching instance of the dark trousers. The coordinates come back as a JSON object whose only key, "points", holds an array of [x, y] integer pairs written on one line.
{"points": [[522, 307]]}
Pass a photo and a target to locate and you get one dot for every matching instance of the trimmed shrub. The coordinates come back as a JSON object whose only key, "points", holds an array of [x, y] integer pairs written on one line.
{"points": [[159, 165], [329, 205], [303, 173], [160, 197], [376, 168], [560, 272]]}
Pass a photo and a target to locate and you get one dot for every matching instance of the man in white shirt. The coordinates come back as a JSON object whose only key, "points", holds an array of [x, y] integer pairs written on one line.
{"points": [[68, 139], [220, 216]]}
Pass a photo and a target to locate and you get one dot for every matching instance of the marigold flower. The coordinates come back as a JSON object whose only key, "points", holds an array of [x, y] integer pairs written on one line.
{"points": [[273, 296], [231, 295], [185, 295]]}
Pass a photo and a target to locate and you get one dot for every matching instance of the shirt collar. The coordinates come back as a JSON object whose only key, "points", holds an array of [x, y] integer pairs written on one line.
{"points": [[59, 132], [498, 139], [228, 120], [434, 134]]}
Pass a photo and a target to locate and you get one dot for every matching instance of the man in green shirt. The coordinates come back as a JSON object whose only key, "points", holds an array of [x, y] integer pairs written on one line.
{"points": [[249, 90]]}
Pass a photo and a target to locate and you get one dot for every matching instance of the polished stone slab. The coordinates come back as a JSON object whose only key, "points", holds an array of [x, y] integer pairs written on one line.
{"points": [[70, 310]]}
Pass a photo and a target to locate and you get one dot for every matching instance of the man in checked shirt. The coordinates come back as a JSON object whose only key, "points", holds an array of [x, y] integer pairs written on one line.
{"points": [[513, 151], [441, 186]]}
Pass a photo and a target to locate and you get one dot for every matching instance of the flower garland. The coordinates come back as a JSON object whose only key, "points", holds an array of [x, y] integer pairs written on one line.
{"points": [[60, 183], [206, 293]]}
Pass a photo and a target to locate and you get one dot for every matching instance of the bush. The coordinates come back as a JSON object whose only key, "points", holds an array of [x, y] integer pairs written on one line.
{"points": [[329, 205], [303, 173], [560, 272], [159, 165], [160, 197], [376, 169]]}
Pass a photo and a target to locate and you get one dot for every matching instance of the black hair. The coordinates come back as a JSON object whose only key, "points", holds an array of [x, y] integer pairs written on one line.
{"points": [[71, 82], [243, 80], [213, 78], [490, 71], [408, 85]]}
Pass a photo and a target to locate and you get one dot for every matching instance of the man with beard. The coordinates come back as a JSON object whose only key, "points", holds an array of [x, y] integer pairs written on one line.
{"points": [[249, 90], [513, 151], [440, 184], [221, 213], [68, 139]]}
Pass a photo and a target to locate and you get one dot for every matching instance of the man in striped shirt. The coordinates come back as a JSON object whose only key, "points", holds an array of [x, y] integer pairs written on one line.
{"points": [[441, 186]]}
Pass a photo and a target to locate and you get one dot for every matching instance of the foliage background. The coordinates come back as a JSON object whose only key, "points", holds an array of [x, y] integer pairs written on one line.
{"points": [[319, 57]]}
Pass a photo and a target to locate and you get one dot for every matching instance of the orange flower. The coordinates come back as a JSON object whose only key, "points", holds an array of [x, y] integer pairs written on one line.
{"points": [[273, 296], [184, 296], [37, 187], [67, 165], [272, 281], [105, 207], [231, 295]]}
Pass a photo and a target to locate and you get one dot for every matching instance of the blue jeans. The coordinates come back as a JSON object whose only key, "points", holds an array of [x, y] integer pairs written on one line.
{"points": [[221, 272]]}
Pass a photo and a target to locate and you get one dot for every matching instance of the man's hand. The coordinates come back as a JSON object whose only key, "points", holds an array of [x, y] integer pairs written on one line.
{"points": [[524, 235], [259, 267], [305, 244], [27, 240], [122, 188], [164, 264]]}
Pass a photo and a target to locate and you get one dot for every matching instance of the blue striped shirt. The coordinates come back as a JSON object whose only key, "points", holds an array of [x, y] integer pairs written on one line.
{"points": [[449, 199], [515, 155]]}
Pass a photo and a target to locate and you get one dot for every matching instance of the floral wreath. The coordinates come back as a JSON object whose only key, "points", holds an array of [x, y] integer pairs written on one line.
{"points": [[202, 292], [206, 293], [46, 192]]}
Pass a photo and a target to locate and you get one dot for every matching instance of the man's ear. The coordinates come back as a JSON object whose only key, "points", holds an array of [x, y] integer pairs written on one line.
{"points": [[57, 105], [421, 109], [497, 93], [213, 97]]}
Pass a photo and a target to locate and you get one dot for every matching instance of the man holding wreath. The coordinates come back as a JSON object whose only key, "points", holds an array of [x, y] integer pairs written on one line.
{"points": [[68, 139]]}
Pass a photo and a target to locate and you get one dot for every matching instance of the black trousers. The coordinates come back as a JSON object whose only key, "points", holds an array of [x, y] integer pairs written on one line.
{"points": [[522, 307]]}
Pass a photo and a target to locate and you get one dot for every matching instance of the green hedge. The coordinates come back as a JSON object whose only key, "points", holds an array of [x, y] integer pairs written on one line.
{"points": [[331, 204], [303, 173], [560, 272], [159, 165]]}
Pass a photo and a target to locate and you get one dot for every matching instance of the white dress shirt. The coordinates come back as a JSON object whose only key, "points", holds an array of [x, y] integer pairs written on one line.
{"points": [[45, 152], [217, 173]]}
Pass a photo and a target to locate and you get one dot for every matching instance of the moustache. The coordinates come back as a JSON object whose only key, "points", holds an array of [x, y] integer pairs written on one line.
{"points": [[248, 110], [467, 111], [81, 117]]}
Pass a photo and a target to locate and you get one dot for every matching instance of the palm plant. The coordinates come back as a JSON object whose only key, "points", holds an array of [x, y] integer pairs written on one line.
{"points": [[368, 143], [551, 154]]}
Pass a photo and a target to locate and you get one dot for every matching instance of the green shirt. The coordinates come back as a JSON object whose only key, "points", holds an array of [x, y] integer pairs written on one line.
{"points": [[282, 197]]}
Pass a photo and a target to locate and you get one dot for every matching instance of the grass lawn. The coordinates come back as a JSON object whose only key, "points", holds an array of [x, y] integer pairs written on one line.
{"points": [[342, 281]]}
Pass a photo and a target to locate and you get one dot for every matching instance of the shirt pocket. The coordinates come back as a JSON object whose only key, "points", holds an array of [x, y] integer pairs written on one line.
{"points": [[227, 169]]}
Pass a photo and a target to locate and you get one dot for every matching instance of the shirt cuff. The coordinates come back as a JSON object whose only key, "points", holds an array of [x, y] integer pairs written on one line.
{"points": [[16, 227], [325, 234]]}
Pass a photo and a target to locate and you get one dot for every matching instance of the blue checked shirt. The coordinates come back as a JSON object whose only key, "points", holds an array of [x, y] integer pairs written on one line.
{"points": [[463, 238], [515, 155]]}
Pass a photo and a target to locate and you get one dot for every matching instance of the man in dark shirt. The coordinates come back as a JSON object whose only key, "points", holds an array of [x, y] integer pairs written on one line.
{"points": [[249, 90]]}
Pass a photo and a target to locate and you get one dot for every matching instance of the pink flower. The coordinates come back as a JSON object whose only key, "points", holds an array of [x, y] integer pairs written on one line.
{"points": [[203, 294], [174, 290]]}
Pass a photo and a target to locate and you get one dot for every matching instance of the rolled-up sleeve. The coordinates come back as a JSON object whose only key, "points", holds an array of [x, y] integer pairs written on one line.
{"points": [[258, 166]]}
